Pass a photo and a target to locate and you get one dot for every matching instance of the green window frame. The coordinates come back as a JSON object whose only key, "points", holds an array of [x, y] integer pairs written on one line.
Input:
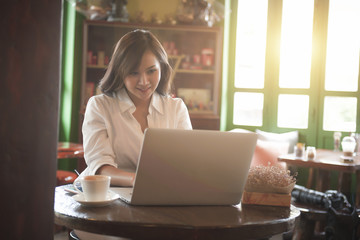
{"points": [[312, 135]]}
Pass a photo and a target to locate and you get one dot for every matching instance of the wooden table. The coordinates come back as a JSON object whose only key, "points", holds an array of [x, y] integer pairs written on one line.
{"points": [[326, 161], [188, 222], [72, 150]]}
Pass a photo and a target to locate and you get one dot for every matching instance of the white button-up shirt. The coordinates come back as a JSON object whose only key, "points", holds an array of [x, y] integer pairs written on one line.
{"points": [[111, 134]]}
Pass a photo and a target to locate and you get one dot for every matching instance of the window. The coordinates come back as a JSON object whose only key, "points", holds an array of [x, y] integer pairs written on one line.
{"points": [[248, 108], [342, 55], [340, 114], [251, 44], [296, 67], [293, 111], [295, 43]]}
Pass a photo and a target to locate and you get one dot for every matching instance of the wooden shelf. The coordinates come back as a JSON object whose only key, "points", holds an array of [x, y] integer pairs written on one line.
{"points": [[97, 66], [195, 71], [181, 42]]}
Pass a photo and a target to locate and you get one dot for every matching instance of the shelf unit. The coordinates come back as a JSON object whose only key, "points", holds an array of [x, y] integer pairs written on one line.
{"points": [[195, 53]]}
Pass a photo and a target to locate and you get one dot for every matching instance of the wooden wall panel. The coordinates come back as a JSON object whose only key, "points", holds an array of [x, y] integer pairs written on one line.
{"points": [[29, 103]]}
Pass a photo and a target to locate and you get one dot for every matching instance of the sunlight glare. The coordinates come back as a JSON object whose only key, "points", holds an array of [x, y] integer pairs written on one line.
{"points": [[248, 108], [343, 45], [340, 114], [296, 43], [293, 111], [251, 44]]}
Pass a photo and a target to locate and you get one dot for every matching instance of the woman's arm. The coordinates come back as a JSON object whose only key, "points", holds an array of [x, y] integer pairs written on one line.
{"points": [[118, 177], [99, 153]]}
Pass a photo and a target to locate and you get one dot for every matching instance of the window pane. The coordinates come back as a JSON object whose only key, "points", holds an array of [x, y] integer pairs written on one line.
{"points": [[296, 44], [293, 111], [343, 44], [340, 114], [248, 108], [251, 43]]}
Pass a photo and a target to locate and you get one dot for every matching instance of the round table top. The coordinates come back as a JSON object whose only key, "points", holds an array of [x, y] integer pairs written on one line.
{"points": [[174, 222], [70, 150]]}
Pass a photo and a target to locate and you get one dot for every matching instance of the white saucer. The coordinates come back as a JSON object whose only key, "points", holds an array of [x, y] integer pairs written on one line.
{"points": [[111, 196], [347, 159]]}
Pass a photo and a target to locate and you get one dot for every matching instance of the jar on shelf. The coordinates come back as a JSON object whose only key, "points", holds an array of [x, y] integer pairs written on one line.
{"points": [[299, 150], [337, 137], [310, 153], [207, 57]]}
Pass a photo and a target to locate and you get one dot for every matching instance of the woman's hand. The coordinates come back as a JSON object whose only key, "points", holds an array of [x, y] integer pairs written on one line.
{"points": [[118, 177]]}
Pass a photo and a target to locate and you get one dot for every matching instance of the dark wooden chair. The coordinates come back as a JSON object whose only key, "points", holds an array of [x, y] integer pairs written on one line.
{"points": [[73, 236]]}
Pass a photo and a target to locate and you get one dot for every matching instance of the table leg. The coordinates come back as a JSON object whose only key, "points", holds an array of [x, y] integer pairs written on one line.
{"points": [[304, 228], [344, 184], [322, 184], [323, 180], [310, 178]]}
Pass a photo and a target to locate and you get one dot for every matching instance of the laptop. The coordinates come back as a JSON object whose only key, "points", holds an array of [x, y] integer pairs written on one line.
{"points": [[191, 167]]}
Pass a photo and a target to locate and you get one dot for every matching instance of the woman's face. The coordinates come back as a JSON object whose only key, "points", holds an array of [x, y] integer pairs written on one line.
{"points": [[142, 82]]}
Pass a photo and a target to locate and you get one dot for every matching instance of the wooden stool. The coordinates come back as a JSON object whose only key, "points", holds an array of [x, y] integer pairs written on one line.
{"points": [[65, 177]]}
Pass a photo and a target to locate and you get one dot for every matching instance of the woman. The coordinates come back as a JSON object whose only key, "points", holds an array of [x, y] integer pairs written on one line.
{"points": [[136, 95]]}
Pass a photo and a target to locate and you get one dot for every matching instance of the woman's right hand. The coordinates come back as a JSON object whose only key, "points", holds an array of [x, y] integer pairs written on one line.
{"points": [[118, 177]]}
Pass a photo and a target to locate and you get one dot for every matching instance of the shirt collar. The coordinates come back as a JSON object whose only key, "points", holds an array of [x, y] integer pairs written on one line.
{"points": [[126, 104], [156, 103]]}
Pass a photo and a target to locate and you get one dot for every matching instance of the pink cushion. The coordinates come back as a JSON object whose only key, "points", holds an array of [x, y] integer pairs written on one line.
{"points": [[288, 137], [267, 152]]}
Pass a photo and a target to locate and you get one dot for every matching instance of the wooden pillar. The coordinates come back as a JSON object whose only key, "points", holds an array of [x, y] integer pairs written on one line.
{"points": [[357, 196], [29, 103]]}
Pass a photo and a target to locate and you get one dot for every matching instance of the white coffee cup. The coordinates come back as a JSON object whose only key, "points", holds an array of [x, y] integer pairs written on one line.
{"points": [[94, 187]]}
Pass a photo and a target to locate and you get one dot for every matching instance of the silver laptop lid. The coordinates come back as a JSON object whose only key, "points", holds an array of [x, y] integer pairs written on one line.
{"points": [[192, 167]]}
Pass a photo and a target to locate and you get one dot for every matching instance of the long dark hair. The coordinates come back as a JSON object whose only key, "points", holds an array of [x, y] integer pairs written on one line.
{"points": [[126, 58]]}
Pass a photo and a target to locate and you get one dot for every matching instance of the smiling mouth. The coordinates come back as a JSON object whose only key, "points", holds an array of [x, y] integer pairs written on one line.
{"points": [[144, 89]]}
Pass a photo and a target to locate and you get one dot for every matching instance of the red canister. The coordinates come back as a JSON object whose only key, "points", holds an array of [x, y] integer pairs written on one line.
{"points": [[207, 57]]}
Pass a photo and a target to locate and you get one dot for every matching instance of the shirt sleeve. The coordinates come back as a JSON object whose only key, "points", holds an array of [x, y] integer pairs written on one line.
{"points": [[183, 118], [97, 147]]}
